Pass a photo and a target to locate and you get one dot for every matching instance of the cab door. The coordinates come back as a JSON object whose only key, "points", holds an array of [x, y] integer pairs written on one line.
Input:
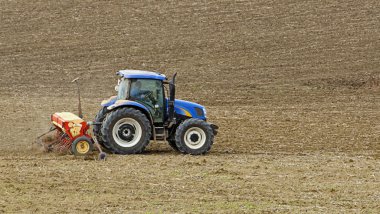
{"points": [[149, 92]]}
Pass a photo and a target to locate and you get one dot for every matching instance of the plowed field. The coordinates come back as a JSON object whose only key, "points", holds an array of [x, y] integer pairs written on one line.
{"points": [[293, 85]]}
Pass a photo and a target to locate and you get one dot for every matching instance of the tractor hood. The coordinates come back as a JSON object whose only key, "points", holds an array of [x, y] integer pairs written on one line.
{"points": [[189, 109]]}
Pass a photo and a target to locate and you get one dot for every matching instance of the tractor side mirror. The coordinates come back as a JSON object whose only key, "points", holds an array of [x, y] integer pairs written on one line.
{"points": [[117, 86]]}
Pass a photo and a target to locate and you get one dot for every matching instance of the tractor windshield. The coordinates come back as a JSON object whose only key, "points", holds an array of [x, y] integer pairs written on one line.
{"points": [[123, 88]]}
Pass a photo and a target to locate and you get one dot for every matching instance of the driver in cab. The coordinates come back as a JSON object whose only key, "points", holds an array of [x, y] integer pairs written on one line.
{"points": [[139, 94]]}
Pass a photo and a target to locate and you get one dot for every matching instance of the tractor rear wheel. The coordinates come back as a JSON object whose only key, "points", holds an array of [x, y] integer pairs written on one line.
{"points": [[194, 136], [126, 131], [99, 118]]}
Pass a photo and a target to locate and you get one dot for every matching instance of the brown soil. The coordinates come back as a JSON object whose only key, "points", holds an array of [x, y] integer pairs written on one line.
{"points": [[293, 85]]}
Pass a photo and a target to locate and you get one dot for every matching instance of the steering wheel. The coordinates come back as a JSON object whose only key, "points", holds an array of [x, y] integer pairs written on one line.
{"points": [[148, 95]]}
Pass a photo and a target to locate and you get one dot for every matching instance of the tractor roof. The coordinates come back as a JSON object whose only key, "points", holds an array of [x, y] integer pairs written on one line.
{"points": [[136, 74]]}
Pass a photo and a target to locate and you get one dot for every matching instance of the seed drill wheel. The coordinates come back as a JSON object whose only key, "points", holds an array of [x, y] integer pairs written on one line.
{"points": [[81, 146]]}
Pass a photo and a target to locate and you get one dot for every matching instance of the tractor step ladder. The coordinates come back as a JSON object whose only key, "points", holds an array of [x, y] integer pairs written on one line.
{"points": [[160, 134]]}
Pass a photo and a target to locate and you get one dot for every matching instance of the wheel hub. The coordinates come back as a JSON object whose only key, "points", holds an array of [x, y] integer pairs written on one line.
{"points": [[82, 147], [194, 138], [126, 132]]}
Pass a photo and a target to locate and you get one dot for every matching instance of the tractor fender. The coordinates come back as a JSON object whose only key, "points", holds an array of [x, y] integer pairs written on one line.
{"points": [[133, 104], [110, 101]]}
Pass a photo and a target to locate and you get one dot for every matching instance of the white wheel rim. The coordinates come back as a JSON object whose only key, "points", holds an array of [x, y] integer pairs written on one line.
{"points": [[195, 138], [120, 133]]}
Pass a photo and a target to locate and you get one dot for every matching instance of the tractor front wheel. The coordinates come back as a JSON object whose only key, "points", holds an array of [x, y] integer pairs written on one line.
{"points": [[173, 144], [81, 146], [194, 136], [126, 130]]}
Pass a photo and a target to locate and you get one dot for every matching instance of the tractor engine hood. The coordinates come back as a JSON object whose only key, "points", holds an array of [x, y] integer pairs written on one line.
{"points": [[189, 109]]}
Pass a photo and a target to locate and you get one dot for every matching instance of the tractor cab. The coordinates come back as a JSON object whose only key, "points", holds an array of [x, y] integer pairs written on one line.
{"points": [[142, 111], [148, 92]]}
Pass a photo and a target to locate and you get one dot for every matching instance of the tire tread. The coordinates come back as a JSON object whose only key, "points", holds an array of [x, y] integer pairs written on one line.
{"points": [[181, 146], [122, 113]]}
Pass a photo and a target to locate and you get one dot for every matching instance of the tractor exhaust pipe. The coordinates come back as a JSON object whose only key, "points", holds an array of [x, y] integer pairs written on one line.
{"points": [[80, 114], [171, 100]]}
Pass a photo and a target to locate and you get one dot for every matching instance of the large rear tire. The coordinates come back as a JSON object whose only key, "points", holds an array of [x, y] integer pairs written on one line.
{"points": [[194, 136], [126, 131], [99, 118]]}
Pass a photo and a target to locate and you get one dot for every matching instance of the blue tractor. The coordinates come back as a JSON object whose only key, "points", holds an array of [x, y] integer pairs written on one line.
{"points": [[145, 109]]}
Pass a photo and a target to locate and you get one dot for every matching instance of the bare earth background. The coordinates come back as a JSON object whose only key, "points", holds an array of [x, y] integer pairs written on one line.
{"points": [[294, 86]]}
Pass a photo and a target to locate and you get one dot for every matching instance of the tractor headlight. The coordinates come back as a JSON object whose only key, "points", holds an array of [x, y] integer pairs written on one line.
{"points": [[201, 112]]}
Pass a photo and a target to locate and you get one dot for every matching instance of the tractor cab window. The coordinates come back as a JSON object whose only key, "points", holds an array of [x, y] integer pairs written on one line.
{"points": [[149, 92], [122, 89]]}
